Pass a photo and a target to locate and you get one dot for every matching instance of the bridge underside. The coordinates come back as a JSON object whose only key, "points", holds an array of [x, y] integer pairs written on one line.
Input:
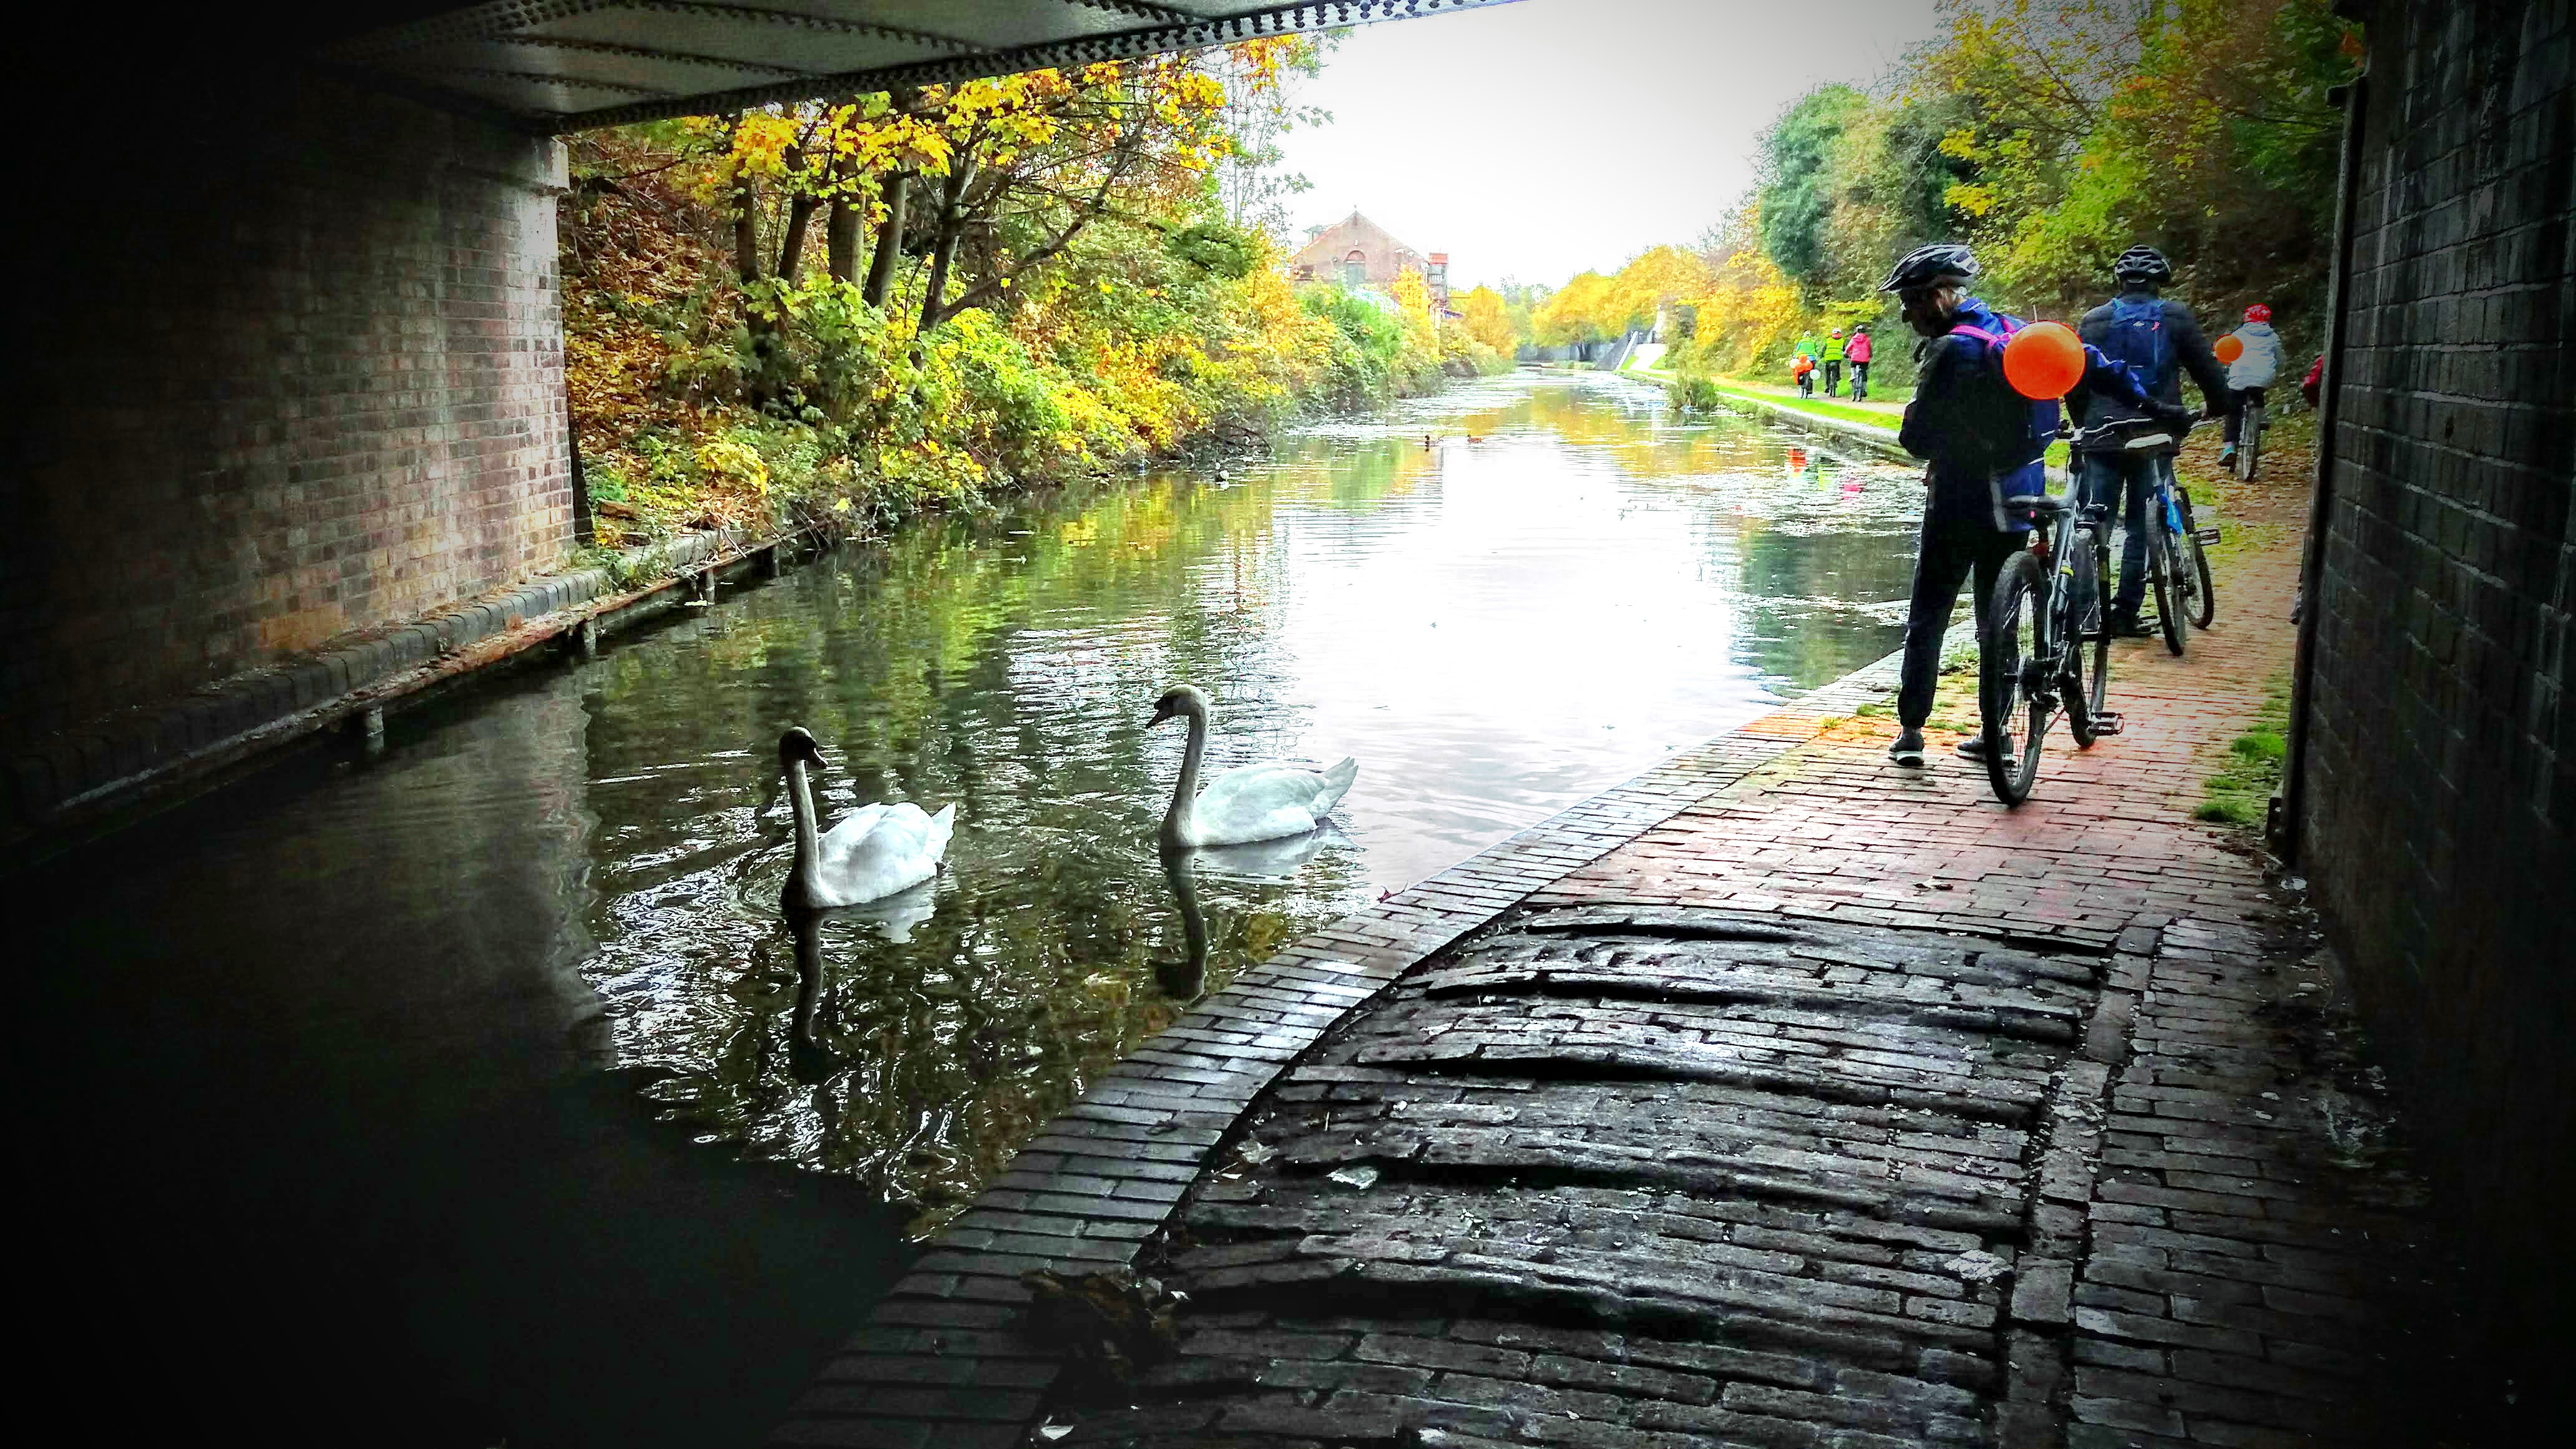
{"points": [[294, 355], [564, 65]]}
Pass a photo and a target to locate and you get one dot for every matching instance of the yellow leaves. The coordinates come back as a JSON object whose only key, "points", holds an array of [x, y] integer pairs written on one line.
{"points": [[761, 140], [1969, 197], [1484, 314], [1412, 298], [727, 463], [1960, 144]]}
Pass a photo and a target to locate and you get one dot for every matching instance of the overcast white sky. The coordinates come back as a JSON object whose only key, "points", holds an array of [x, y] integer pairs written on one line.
{"points": [[1538, 139]]}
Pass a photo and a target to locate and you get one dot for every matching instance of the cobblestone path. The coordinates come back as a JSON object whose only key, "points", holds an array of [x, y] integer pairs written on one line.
{"points": [[1779, 1098]]}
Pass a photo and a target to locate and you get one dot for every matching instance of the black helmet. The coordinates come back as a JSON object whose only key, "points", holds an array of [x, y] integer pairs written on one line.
{"points": [[2142, 264], [1941, 261]]}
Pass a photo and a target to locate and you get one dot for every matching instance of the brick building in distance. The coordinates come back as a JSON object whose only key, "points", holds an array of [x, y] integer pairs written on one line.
{"points": [[1357, 252]]}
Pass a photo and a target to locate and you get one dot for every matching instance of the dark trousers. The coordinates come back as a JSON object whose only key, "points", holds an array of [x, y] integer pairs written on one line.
{"points": [[1833, 375], [1860, 379], [1953, 551], [2236, 414], [2105, 478]]}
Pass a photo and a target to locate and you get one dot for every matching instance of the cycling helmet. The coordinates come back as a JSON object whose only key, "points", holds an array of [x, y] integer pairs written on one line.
{"points": [[2258, 313], [1939, 262], [2142, 264]]}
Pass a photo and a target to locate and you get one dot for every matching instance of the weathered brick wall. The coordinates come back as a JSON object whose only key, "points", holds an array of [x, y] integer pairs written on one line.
{"points": [[302, 373], [2436, 773]]}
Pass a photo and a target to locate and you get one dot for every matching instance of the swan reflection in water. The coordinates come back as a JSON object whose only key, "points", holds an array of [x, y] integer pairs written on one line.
{"points": [[1261, 860], [809, 1061]]}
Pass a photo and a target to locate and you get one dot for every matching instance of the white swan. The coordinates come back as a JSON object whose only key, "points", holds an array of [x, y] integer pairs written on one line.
{"points": [[1256, 802], [879, 850]]}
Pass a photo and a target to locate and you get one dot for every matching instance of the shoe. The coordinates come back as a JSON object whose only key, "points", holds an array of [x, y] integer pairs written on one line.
{"points": [[2227, 457], [1974, 748], [1908, 749], [2130, 626]]}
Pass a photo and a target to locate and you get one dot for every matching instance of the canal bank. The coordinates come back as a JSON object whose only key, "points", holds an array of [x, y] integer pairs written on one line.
{"points": [[1779, 1096], [491, 1076]]}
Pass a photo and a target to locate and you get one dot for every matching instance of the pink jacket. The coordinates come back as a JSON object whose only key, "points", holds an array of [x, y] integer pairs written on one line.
{"points": [[1857, 350]]}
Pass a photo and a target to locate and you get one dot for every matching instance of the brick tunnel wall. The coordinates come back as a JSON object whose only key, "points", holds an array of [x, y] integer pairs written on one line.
{"points": [[2436, 769], [302, 374]]}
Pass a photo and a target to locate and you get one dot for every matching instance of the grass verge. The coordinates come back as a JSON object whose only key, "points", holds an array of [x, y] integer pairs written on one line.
{"points": [[2238, 791], [1835, 411]]}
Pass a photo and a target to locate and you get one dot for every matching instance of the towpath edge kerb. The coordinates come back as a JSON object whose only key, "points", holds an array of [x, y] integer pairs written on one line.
{"points": [[87, 778], [940, 1358], [1881, 441]]}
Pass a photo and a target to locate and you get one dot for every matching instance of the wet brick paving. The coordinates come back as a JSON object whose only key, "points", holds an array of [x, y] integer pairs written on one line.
{"points": [[1779, 1097]]}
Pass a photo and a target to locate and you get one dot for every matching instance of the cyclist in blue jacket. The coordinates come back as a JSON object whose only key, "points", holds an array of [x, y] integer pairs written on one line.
{"points": [[2152, 335], [1984, 443]]}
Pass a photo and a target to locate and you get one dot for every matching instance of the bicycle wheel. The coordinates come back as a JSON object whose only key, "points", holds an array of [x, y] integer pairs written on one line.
{"points": [[2097, 642], [2252, 452], [2081, 631], [2012, 650], [2164, 571]]}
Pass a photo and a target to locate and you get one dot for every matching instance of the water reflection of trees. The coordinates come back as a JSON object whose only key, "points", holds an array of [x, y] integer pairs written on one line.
{"points": [[1008, 666]]}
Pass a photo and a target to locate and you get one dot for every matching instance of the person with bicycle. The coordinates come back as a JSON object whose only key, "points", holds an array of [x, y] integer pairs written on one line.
{"points": [[2152, 334], [1833, 361], [1984, 443], [1856, 352], [2250, 375]]}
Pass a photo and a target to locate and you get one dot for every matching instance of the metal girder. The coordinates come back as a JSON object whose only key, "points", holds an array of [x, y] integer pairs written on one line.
{"points": [[537, 60]]}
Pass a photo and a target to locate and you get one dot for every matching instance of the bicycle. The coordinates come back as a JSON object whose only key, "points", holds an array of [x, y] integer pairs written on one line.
{"points": [[2046, 616], [2177, 565], [2249, 435]]}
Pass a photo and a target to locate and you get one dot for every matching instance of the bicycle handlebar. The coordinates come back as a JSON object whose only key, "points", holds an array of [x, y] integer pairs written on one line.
{"points": [[2131, 435]]}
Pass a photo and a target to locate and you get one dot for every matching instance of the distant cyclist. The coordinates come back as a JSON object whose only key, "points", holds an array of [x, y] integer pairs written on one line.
{"points": [[2253, 371], [1803, 363], [2159, 341], [1857, 352], [1833, 360], [1984, 442]]}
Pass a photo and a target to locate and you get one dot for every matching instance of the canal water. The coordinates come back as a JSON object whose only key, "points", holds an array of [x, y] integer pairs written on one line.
{"points": [[482, 1091]]}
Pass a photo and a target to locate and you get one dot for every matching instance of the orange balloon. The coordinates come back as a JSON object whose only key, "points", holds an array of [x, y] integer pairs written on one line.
{"points": [[2229, 348], [2044, 360]]}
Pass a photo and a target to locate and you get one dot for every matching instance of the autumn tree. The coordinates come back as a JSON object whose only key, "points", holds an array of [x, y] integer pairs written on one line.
{"points": [[1488, 319]]}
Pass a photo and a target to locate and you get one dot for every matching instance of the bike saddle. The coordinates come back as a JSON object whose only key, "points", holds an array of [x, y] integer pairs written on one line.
{"points": [[2046, 505]]}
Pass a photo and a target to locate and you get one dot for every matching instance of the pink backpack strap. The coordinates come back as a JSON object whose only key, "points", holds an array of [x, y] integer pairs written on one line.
{"points": [[1979, 333]]}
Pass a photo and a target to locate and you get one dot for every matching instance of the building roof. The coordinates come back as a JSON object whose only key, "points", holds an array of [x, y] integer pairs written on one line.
{"points": [[1353, 233]]}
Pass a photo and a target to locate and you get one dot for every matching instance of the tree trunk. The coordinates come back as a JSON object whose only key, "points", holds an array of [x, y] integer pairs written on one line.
{"points": [[841, 223], [791, 246], [841, 238], [746, 227], [943, 252], [889, 241]]}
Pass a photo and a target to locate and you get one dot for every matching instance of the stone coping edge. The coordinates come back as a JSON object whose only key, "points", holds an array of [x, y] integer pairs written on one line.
{"points": [[1878, 440], [940, 1359], [90, 775]]}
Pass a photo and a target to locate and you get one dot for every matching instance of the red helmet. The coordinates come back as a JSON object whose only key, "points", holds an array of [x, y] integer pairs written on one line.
{"points": [[2258, 313]]}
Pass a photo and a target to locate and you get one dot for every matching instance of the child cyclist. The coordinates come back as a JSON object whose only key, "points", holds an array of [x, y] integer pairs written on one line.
{"points": [[2254, 370]]}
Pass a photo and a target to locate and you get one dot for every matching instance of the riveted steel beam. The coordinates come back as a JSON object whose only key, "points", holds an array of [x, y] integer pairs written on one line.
{"points": [[392, 54], [513, 20]]}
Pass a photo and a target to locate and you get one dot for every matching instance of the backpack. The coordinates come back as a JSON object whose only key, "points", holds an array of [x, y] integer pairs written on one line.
{"points": [[2138, 337], [2004, 430]]}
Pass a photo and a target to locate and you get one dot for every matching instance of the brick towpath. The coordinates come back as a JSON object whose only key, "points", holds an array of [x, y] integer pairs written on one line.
{"points": [[1779, 1097]]}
